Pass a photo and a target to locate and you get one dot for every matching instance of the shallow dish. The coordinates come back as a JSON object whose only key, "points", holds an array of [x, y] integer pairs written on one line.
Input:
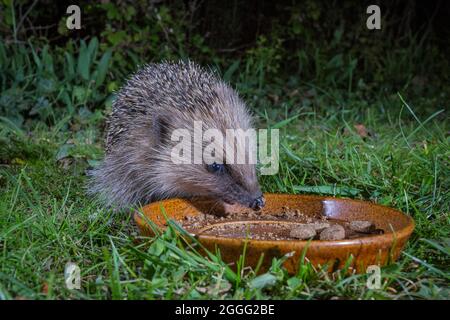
{"points": [[365, 251]]}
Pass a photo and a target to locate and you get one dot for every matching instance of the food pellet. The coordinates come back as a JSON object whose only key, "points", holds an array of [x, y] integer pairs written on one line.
{"points": [[272, 226], [335, 232], [361, 226], [303, 232]]}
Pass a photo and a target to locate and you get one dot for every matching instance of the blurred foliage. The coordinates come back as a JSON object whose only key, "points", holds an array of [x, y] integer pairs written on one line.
{"points": [[267, 49], [35, 81]]}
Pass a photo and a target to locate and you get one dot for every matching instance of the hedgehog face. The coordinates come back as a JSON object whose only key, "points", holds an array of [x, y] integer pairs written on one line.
{"points": [[232, 184], [237, 184], [219, 163]]}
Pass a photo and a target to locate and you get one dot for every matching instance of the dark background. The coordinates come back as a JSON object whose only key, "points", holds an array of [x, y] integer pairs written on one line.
{"points": [[269, 48]]}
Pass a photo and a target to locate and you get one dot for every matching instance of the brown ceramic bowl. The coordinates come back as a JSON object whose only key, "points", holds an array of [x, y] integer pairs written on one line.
{"points": [[365, 251]]}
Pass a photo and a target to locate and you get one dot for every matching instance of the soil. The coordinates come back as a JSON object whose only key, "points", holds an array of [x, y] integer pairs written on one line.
{"points": [[287, 224]]}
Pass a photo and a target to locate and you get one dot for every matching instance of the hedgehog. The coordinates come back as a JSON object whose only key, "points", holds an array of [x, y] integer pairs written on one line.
{"points": [[138, 167]]}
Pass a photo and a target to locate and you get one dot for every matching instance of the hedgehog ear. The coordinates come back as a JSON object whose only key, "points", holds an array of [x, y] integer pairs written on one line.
{"points": [[160, 128]]}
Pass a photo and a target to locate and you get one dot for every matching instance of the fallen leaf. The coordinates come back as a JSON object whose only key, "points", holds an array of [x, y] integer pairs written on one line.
{"points": [[44, 289], [361, 130]]}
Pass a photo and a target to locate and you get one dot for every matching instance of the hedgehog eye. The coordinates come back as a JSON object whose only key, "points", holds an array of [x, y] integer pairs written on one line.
{"points": [[216, 168]]}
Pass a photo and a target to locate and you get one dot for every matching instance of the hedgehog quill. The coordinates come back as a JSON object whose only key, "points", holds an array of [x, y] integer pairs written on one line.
{"points": [[138, 167]]}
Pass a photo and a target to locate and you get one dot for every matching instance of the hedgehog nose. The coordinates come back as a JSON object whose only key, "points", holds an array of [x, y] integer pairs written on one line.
{"points": [[258, 203]]}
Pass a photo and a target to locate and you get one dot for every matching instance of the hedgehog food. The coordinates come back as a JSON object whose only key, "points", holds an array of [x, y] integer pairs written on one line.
{"points": [[284, 225]]}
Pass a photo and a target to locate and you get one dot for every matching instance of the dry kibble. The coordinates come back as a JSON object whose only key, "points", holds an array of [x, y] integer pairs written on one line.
{"points": [[362, 226], [303, 232], [335, 232], [284, 224]]}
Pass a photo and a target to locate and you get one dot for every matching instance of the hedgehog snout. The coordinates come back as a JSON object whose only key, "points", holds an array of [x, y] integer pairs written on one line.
{"points": [[251, 200], [258, 203]]}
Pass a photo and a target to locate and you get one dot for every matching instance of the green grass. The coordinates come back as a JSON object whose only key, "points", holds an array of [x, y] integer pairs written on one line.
{"points": [[46, 220], [53, 100]]}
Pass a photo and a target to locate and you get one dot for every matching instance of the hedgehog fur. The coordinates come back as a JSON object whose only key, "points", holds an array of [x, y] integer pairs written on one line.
{"points": [[137, 168]]}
